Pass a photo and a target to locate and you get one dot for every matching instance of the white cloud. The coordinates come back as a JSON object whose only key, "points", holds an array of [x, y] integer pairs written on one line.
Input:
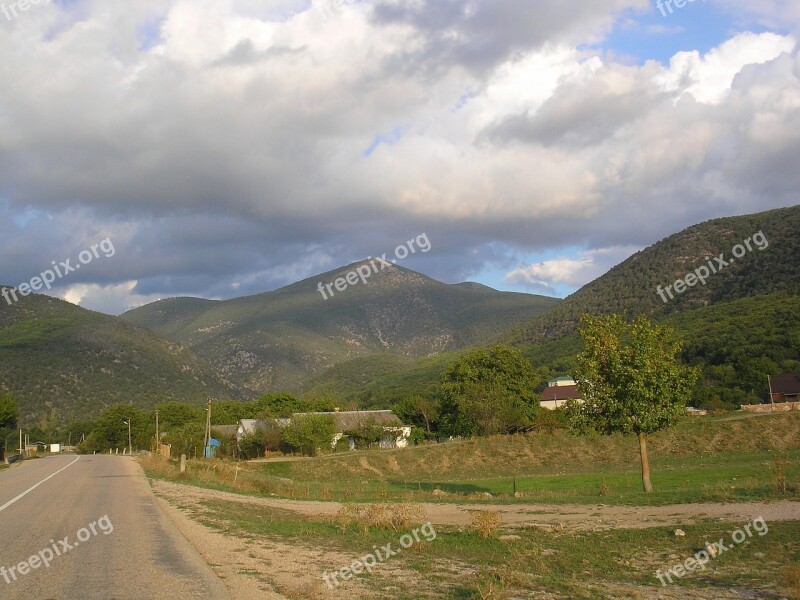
{"points": [[709, 78], [109, 299], [574, 272]]}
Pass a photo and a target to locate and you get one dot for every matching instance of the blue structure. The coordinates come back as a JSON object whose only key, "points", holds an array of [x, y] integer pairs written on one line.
{"points": [[211, 449]]}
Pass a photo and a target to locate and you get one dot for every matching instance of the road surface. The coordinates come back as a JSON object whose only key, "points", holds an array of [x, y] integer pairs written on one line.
{"points": [[94, 521]]}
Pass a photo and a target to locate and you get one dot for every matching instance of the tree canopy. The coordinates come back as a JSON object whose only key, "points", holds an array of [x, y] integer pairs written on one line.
{"points": [[488, 391], [631, 380]]}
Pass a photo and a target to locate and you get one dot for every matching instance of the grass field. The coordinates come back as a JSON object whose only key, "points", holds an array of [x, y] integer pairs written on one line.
{"points": [[727, 459]]}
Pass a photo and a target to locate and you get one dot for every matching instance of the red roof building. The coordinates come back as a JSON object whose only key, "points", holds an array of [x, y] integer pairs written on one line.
{"points": [[785, 388]]}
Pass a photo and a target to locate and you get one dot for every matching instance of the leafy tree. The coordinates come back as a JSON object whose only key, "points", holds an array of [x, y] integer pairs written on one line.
{"points": [[251, 445], [186, 439], [9, 411], [310, 433], [275, 406], [418, 411], [366, 434], [488, 391], [178, 414], [110, 430], [229, 412], [631, 380]]}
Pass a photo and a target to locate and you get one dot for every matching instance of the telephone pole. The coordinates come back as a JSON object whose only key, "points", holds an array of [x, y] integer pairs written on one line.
{"points": [[207, 433], [158, 439]]}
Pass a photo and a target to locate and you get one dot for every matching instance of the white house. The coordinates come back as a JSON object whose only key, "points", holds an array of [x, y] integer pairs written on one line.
{"points": [[396, 435]]}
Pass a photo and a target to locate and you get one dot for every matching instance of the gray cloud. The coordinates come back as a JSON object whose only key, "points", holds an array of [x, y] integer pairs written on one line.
{"points": [[224, 147]]}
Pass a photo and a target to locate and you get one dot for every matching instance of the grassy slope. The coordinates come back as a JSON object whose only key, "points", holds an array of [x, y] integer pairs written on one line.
{"points": [[631, 286], [736, 344], [278, 340], [695, 461], [55, 356]]}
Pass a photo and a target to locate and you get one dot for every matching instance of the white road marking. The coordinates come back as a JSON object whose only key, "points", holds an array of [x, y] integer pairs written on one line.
{"points": [[30, 489]]}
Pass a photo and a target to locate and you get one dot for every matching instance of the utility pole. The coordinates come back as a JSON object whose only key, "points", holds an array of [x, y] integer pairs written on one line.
{"points": [[130, 446], [20, 441], [158, 439], [207, 433], [771, 399]]}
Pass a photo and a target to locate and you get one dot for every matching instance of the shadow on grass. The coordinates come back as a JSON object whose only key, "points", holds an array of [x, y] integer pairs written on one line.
{"points": [[450, 488]]}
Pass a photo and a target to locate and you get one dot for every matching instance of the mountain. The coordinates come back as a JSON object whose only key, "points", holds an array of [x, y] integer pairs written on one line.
{"points": [[55, 356], [279, 340], [633, 286], [743, 325]]}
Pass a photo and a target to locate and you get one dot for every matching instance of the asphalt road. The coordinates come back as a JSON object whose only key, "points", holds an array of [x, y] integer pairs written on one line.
{"points": [[95, 521]]}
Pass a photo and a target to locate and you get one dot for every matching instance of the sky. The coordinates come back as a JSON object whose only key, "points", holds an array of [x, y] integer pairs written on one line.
{"points": [[230, 147]]}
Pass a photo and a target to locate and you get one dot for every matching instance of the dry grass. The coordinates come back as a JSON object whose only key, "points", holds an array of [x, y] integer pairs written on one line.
{"points": [[790, 580], [524, 453], [486, 523], [385, 516]]}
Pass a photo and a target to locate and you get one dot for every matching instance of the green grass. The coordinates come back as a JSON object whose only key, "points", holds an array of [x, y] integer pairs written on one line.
{"points": [[730, 459], [554, 561], [727, 478]]}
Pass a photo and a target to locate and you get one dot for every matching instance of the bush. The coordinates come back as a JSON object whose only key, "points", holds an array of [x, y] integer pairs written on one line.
{"points": [[486, 523], [387, 516], [310, 433], [251, 446]]}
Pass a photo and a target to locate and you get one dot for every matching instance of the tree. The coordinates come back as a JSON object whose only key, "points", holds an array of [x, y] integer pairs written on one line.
{"points": [[9, 411], [418, 411], [251, 445], [276, 406], [186, 439], [229, 412], [631, 380], [110, 431], [177, 414], [488, 391], [310, 433], [366, 434]]}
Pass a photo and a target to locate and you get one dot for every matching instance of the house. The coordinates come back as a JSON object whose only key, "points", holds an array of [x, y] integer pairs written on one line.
{"points": [[396, 434], [785, 388], [224, 432], [558, 392], [247, 427]]}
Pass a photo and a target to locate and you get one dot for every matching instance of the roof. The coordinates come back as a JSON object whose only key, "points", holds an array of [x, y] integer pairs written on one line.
{"points": [[225, 430], [250, 426], [564, 392], [354, 419], [788, 384], [562, 378]]}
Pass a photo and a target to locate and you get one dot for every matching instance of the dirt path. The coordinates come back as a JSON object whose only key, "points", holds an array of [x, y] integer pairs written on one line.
{"points": [[579, 517]]}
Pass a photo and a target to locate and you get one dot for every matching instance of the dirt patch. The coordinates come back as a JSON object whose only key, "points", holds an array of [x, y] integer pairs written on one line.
{"points": [[367, 467], [578, 517], [252, 569]]}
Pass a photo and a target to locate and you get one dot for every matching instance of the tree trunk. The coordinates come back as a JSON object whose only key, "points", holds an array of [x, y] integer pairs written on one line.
{"points": [[648, 487]]}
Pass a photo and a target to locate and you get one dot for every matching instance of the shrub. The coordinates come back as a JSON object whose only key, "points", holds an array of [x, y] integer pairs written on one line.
{"points": [[486, 523], [310, 433], [387, 516]]}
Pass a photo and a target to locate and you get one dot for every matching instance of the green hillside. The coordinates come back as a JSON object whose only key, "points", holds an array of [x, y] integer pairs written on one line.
{"points": [[741, 327], [61, 360], [281, 340], [632, 286]]}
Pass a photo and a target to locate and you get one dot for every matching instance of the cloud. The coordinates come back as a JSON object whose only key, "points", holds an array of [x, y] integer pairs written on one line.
{"points": [[229, 147], [574, 272]]}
